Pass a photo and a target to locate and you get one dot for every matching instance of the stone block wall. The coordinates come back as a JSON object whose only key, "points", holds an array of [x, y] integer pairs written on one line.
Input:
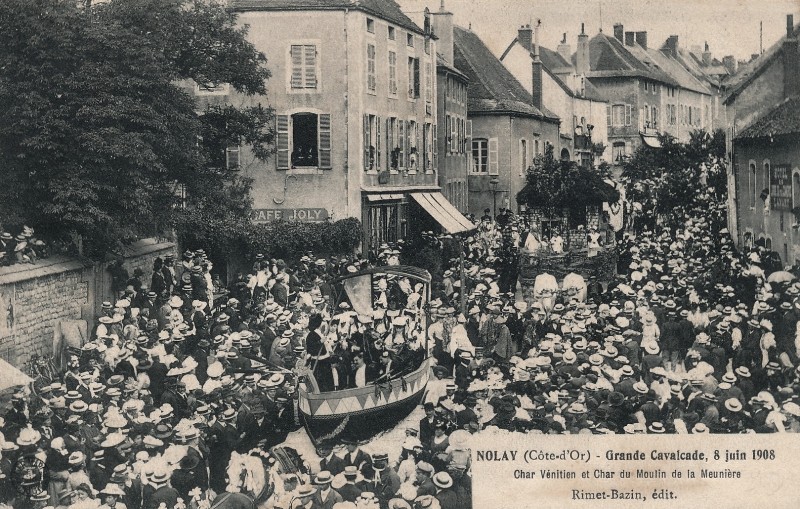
{"points": [[34, 299], [142, 254]]}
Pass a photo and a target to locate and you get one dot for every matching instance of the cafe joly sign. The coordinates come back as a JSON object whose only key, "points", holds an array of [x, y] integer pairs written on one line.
{"points": [[312, 215]]}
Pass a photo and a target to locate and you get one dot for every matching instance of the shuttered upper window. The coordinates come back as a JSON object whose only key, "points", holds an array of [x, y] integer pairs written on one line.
{"points": [[303, 141], [371, 76], [304, 66]]}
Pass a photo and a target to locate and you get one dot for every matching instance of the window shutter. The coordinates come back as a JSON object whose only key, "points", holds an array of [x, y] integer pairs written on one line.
{"points": [[378, 165], [388, 134], [628, 111], [366, 142], [401, 143], [435, 148], [608, 116], [494, 165], [232, 157], [311, 66], [454, 136], [469, 129], [416, 78], [282, 145], [297, 66], [325, 141]]}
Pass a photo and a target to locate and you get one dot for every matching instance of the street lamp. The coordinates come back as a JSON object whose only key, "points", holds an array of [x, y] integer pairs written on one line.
{"points": [[493, 183]]}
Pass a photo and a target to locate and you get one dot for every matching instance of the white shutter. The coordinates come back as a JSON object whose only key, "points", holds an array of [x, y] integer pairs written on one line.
{"points": [[469, 129], [366, 142], [297, 66], [494, 165], [310, 66], [435, 148], [378, 165], [628, 111], [282, 142], [325, 141], [401, 143]]}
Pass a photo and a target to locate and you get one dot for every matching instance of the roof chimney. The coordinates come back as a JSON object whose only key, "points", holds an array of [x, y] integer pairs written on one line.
{"points": [[618, 31], [730, 64], [641, 39], [443, 28], [525, 37], [536, 69], [706, 56], [791, 61], [671, 46], [630, 38], [564, 49], [582, 62]]}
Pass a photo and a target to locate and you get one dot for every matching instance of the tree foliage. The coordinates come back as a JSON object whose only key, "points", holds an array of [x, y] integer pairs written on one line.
{"points": [[98, 124], [555, 184], [224, 236], [669, 178]]}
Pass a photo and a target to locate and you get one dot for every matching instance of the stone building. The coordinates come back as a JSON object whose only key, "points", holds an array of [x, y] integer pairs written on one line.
{"points": [[568, 94], [353, 88], [509, 125], [765, 109]]}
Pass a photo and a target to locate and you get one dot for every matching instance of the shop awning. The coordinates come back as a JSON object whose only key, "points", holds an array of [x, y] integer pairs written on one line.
{"points": [[443, 212], [384, 197], [651, 141]]}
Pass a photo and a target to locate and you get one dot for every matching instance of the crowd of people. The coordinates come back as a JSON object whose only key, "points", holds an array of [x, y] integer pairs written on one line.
{"points": [[690, 337], [181, 380], [24, 247]]}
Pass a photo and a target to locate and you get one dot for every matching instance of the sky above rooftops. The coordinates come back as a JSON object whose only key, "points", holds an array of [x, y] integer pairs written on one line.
{"points": [[731, 27]]}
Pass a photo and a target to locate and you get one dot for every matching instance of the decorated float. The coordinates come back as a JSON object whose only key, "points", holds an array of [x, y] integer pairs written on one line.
{"points": [[572, 214]]}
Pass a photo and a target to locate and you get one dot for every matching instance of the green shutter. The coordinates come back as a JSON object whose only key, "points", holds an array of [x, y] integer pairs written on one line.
{"points": [[282, 144], [325, 141]]}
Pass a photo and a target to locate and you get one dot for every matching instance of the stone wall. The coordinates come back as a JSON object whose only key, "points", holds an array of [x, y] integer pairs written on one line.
{"points": [[140, 255], [35, 298]]}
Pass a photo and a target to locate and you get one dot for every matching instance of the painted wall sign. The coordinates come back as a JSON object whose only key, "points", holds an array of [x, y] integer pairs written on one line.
{"points": [[781, 187], [313, 215]]}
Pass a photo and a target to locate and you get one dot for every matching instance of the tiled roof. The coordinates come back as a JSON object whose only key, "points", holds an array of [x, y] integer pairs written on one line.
{"points": [[711, 75], [751, 70], [782, 120], [492, 88], [552, 59], [609, 58], [553, 62], [388, 10], [675, 70]]}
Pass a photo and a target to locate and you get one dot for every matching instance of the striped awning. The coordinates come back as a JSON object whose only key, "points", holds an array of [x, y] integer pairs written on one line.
{"points": [[384, 197], [443, 212]]}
